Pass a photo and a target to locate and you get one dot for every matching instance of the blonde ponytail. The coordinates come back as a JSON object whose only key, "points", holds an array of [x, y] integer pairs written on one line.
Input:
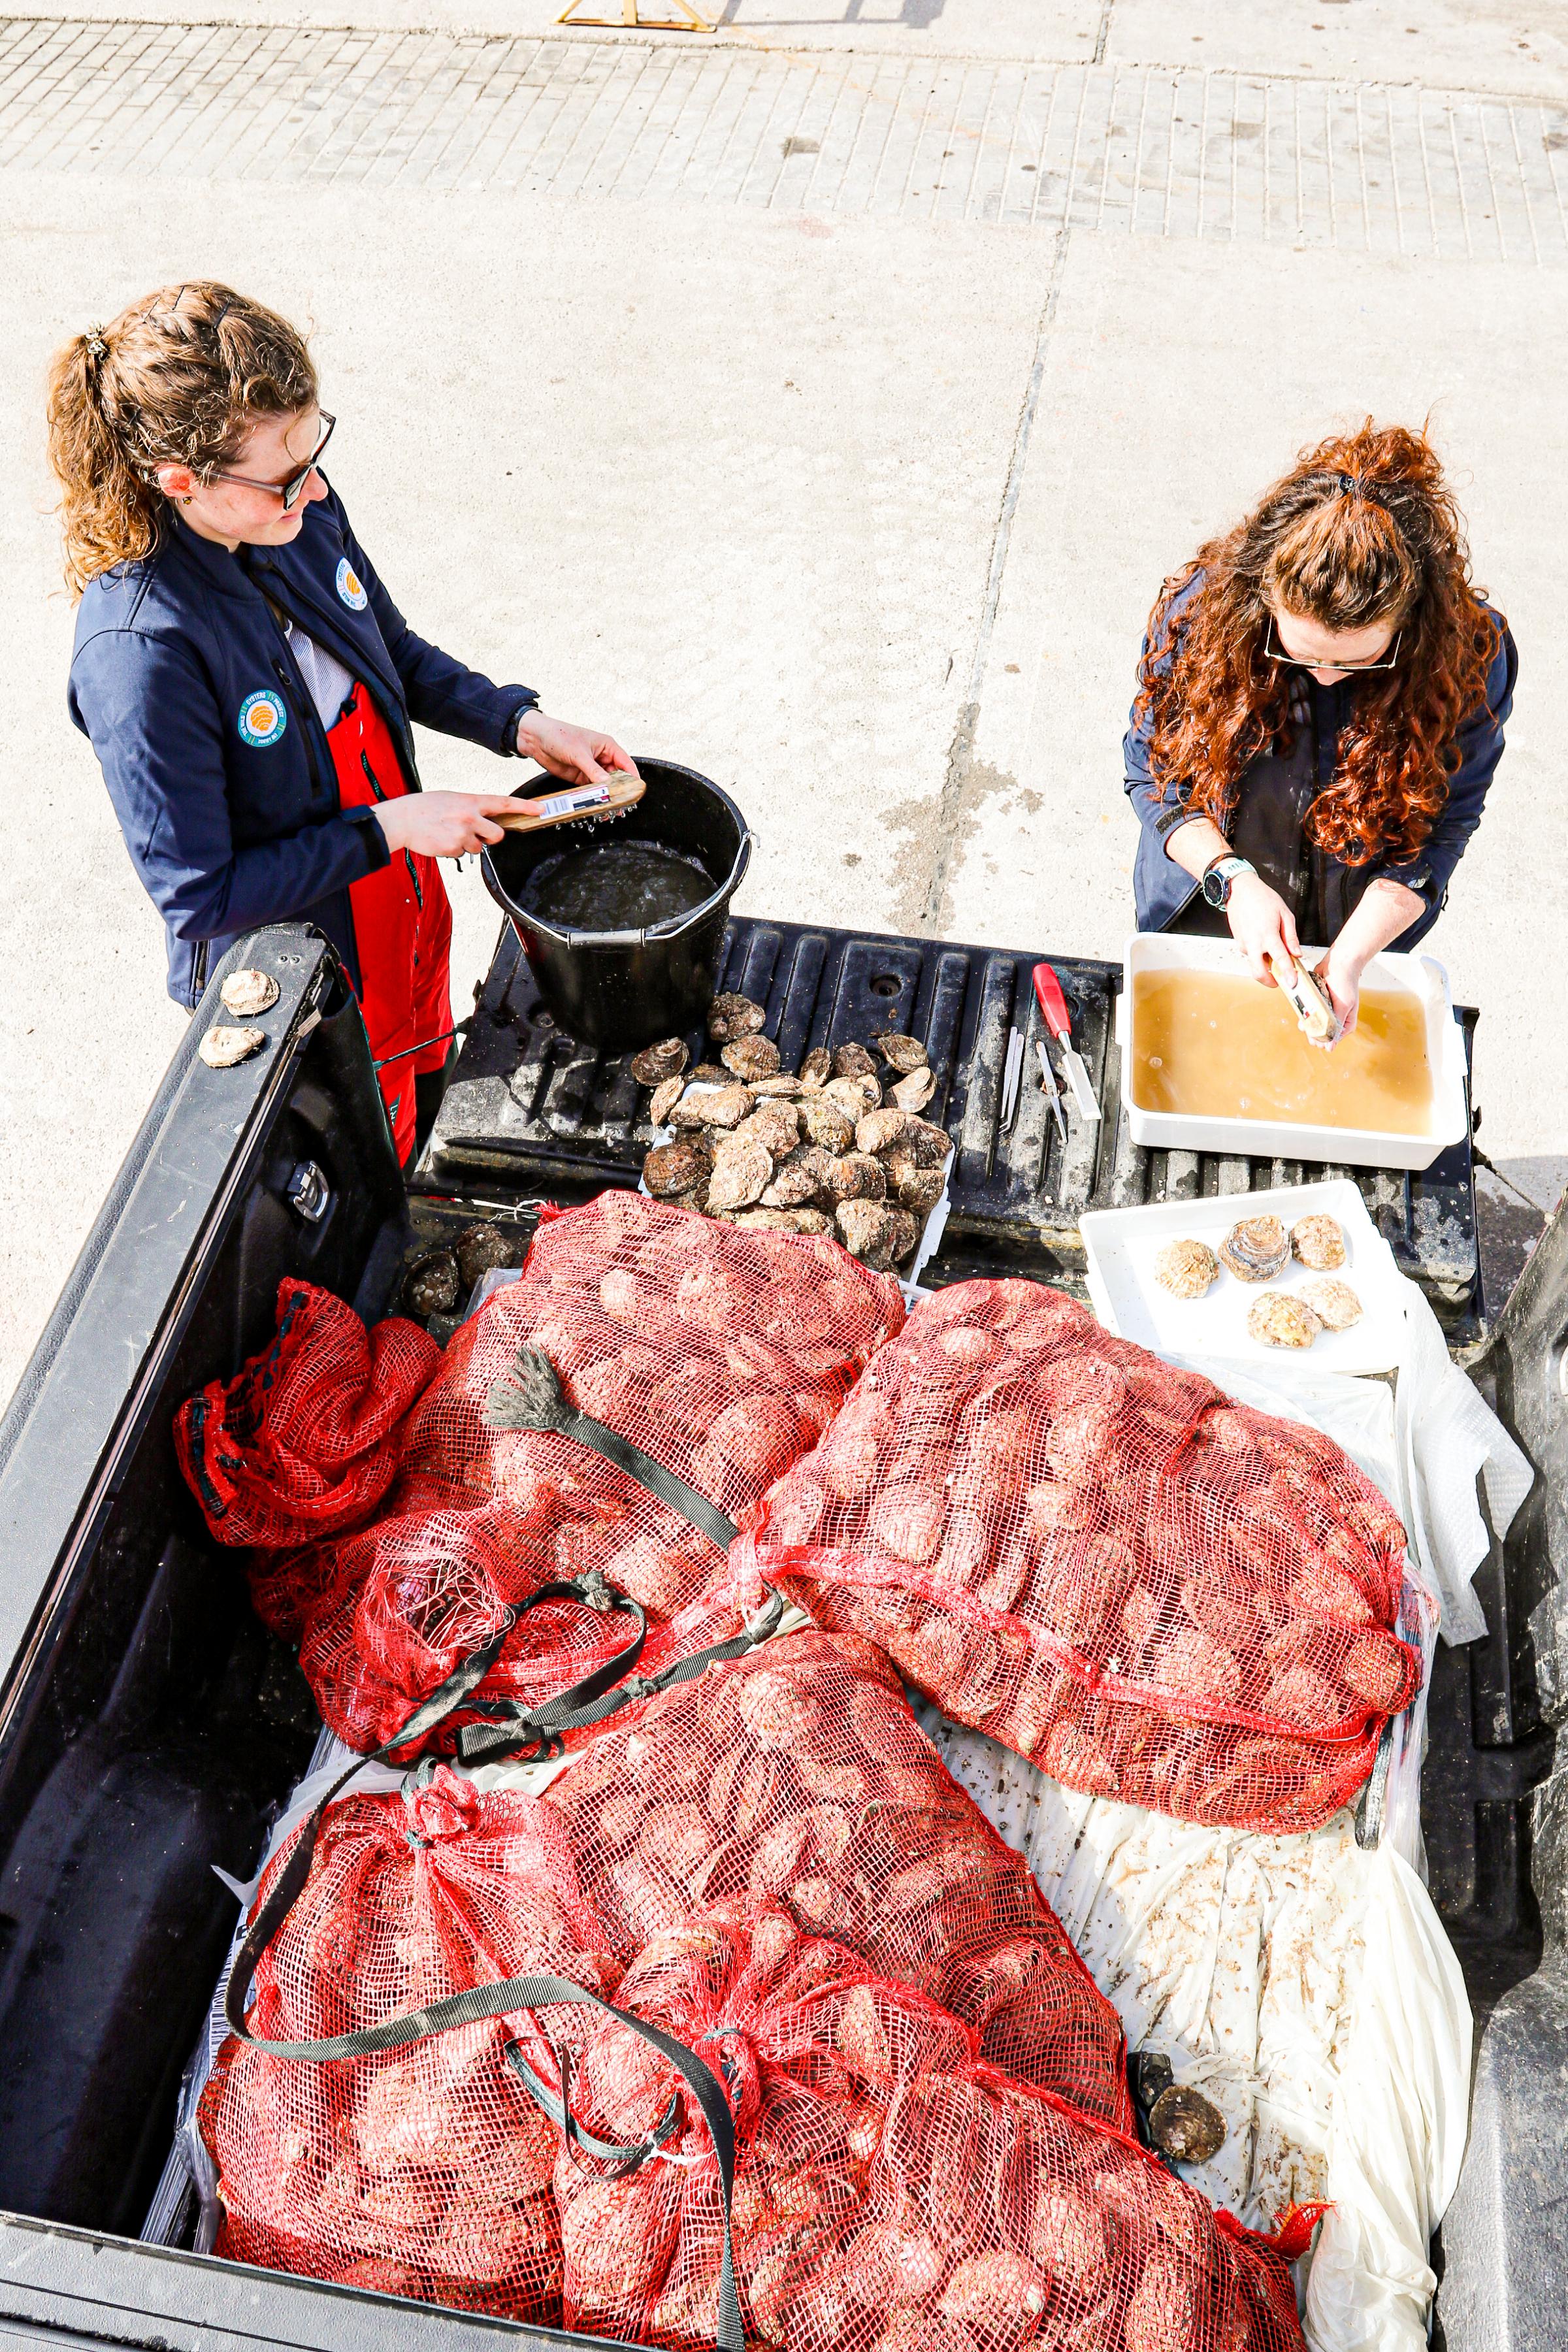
{"points": [[177, 379]]}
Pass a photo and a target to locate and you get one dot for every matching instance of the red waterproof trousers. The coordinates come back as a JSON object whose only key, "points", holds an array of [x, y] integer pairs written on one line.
{"points": [[403, 926]]}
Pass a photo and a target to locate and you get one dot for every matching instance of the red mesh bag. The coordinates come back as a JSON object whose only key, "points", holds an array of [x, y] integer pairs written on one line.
{"points": [[423, 2170], [797, 1776], [722, 1352], [1153, 1592], [302, 1441], [892, 2192]]}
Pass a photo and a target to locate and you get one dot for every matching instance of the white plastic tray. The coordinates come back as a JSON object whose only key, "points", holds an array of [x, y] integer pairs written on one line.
{"points": [[1121, 1245], [1165, 1130]]}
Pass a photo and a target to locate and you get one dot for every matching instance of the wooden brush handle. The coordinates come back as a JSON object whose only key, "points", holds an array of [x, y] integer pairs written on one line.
{"points": [[570, 802]]}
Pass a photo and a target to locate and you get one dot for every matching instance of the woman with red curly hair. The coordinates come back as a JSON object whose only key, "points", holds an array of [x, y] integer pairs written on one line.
{"points": [[1320, 712]]}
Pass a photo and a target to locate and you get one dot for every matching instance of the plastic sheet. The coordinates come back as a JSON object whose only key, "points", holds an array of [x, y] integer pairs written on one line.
{"points": [[1305, 1986]]}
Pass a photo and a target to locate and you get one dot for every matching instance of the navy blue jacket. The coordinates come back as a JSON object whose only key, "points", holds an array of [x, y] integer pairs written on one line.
{"points": [[218, 765], [1161, 888]]}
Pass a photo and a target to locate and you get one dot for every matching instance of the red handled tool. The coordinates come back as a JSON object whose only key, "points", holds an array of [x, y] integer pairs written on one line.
{"points": [[1054, 1011]]}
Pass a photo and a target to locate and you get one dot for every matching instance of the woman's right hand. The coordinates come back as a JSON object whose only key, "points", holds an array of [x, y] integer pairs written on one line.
{"points": [[1262, 925], [441, 825]]}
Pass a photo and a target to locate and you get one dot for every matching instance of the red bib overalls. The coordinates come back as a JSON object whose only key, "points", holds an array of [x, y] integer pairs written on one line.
{"points": [[403, 926]]}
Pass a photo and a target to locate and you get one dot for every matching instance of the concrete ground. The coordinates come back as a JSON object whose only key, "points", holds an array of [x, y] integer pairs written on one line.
{"points": [[820, 402]]}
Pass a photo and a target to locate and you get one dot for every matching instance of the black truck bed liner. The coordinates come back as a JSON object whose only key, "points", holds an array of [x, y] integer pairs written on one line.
{"points": [[529, 1108]]}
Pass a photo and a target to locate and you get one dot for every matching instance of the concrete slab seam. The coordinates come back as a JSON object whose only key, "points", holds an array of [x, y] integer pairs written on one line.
{"points": [[960, 752]]}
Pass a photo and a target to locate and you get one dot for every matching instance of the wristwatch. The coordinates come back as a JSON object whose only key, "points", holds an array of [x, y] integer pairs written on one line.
{"points": [[1217, 878]]}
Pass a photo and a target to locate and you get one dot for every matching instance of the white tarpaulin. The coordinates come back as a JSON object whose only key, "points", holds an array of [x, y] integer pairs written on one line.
{"points": [[1304, 1986]]}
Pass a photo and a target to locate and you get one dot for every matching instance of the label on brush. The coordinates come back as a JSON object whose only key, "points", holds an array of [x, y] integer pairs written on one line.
{"points": [[563, 804]]}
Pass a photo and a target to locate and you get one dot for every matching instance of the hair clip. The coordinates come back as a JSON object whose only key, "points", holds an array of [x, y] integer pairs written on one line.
{"points": [[1353, 487], [96, 345]]}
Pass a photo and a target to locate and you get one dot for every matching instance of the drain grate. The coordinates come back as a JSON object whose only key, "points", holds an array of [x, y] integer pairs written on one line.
{"points": [[528, 1110]]}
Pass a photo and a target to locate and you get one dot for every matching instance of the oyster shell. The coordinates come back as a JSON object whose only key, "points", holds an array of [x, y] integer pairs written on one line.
{"points": [[665, 1098], [1186, 2126], [249, 991], [914, 1187], [221, 1048], [906, 1232], [480, 1247], [817, 1067], [927, 1144], [902, 1053], [812, 1221], [852, 1061], [856, 1176], [1334, 1303], [709, 1073], [1279, 1320], [1318, 1241], [880, 1130], [432, 1283], [731, 1016], [752, 1058], [1255, 1249], [743, 1170], [857, 1096], [766, 1219], [666, 1059], [828, 1123], [673, 1169], [1186, 1268], [775, 1125], [795, 1184], [722, 1107], [783, 1085], [869, 1231], [913, 1093]]}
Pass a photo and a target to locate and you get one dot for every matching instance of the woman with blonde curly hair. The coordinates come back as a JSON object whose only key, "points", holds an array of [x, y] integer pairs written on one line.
{"points": [[1319, 713], [249, 685]]}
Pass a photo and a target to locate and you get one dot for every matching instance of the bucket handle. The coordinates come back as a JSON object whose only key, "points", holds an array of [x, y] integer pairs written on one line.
{"points": [[672, 925]]}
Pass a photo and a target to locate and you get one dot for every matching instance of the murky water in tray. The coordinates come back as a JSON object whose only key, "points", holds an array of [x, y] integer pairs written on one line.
{"points": [[616, 886]]}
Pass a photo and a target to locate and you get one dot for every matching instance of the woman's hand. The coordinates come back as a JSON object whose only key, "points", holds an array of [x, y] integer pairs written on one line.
{"points": [[1338, 974], [441, 825], [1384, 909], [579, 755], [1262, 926]]}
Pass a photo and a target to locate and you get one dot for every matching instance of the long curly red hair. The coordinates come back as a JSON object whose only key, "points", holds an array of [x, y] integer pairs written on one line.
{"points": [[1362, 530]]}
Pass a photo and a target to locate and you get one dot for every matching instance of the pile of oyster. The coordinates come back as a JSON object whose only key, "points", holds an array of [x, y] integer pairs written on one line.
{"points": [[837, 1146]]}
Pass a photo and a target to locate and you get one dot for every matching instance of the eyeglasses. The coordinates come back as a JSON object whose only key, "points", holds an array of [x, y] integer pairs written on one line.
{"points": [[1275, 652], [293, 489]]}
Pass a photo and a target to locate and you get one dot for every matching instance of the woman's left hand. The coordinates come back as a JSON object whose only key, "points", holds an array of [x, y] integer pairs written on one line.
{"points": [[579, 755], [1386, 910], [1339, 975]]}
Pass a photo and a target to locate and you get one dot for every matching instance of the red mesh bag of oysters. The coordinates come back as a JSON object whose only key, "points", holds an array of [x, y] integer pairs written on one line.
{"points": [[1153, 1593], [302, 1441], [715, 1355], [797, 1776], [423, 2169], [891, 2192]]}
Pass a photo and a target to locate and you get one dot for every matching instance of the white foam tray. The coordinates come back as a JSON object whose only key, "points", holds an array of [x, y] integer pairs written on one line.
{"points": [[1121, 1245]]}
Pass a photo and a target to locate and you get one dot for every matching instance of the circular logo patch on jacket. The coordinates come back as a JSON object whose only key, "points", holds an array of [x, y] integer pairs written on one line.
{"points": [[350, 587], [262, 718]]}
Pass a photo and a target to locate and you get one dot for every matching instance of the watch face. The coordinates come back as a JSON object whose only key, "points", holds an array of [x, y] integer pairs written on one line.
{"points": [[1213, 889]]}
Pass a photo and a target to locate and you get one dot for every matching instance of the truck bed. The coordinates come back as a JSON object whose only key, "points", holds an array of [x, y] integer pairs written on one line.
{"points": [[149, 1725]]}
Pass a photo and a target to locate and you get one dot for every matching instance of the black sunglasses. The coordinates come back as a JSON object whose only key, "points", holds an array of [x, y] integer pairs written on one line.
{"points": [[293, 489]]}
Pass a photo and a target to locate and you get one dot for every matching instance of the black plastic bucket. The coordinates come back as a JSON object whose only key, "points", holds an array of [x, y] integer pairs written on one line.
{"points": [[623, 989]]}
